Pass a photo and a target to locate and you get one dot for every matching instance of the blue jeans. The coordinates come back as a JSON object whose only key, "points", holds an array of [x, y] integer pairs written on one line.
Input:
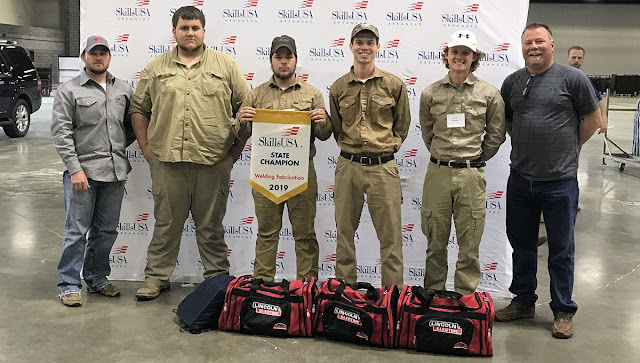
{"points": [[558, 201], [90, 230]]}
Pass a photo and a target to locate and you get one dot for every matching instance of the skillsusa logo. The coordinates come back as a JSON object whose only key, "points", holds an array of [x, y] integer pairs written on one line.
{"points": [[120, 46], [302, 15], [156, 49], [325, 197], [431, 56], [136, 10], [327, 266], [247, 14], [118, 257], [355, 14], [498, 57], [189, 228], [334, 52], [411, 87], [227, 46], [467, 17], [493, 202], [134, 154], [408, 163], [137, 225], [370, 271], [409, 15], [488, 276], [407, 234], [242, 230], [389, 52], [245, 156]]}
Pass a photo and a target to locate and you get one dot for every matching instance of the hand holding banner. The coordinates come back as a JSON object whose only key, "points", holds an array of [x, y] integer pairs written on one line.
{"points": [[280, 153]]}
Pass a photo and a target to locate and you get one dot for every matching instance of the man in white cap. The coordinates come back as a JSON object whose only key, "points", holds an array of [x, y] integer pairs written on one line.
{"points": [[90, 129], [370, 117], [455, 112]]}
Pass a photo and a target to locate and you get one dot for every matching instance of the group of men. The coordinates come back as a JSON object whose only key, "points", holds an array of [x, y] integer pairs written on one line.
{"points": [[192, 113]]}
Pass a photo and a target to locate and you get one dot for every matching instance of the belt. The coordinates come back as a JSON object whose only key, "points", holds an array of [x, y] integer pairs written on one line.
{"points": [[459, 164], [367, 160]]}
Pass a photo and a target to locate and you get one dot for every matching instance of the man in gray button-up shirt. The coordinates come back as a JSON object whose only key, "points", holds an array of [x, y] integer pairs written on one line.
{"points": [[90, 131]]}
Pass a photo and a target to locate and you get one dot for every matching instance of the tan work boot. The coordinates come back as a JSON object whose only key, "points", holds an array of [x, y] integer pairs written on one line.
{"points": [[562, 327], [150, 291], [515, 312], [108, 290], [72, 300]]}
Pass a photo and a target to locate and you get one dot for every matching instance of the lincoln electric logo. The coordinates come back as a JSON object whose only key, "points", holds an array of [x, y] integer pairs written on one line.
{"points": [[118, 257], [266, 309], [227, 46], [247, 14], [348, 316], [354, 14], [466, 18], [407, 16], [302, 15], [499, 56], [135, 226], [389, 52], [408, 163], [243, 229], [445, 327], [325, 197], [137, 10], [493, 202], [332, 53]]}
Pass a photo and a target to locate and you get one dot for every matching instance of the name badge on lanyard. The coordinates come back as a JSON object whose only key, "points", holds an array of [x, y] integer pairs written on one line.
{"points": [[455, 120]]}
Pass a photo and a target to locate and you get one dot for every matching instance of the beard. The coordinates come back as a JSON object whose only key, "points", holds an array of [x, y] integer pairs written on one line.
{"points": [[190, 50], [96, 71], [283, 76]]}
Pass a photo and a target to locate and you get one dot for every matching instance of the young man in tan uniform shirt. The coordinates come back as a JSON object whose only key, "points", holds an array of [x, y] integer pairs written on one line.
{"points": [[285, 91], [370, 117], [454, 114], [182, 113]]}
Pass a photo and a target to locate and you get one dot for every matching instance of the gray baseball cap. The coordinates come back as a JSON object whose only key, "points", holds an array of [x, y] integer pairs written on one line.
{"points": [[362, 27], [93, 41], [283, 41]]}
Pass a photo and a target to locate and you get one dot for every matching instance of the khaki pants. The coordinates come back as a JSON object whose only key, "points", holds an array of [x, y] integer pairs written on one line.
{"points": [[381, 183], [461, 193], [177, 189], [302, 215]]}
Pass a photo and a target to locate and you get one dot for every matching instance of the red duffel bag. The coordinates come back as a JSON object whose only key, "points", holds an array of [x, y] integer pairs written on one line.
{"points": [[344, 313], [282, 309], [445, 322]]}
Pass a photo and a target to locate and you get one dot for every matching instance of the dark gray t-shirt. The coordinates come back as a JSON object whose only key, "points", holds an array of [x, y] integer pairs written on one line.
{"points": [[545, 121]]}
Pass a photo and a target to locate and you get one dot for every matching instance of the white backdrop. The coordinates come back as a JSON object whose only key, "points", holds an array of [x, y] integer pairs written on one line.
{"points": [[412, 33]]}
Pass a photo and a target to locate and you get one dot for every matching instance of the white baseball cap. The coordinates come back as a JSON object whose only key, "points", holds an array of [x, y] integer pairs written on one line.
{"points": [[465, 38]]}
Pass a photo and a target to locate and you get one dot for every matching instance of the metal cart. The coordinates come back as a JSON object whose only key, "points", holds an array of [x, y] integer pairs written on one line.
{"points": [[619, 156]]}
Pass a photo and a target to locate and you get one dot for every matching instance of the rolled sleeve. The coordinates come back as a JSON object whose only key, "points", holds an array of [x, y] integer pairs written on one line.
{"points": [[322, 132], [495, 127], [426, 121], [141, 100], [402, 115]]}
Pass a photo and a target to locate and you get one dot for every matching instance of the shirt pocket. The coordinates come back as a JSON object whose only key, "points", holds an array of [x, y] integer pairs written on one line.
{"points": [[348, 110], [302, 105], [476, 118], [120, 105], [216, 96], [382, 107], [88, 110]]}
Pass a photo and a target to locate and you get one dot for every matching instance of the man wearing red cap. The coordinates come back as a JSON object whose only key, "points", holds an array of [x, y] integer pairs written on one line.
{"points": [[455, 112]]}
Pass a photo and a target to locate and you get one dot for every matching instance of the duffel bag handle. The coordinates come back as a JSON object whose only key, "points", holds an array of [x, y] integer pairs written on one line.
{"points": [[256, 283], [372, 292], [423, 295], [453, 296]]}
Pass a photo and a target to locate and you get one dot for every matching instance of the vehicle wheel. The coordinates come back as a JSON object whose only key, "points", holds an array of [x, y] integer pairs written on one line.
{"points": [[21, 118]]}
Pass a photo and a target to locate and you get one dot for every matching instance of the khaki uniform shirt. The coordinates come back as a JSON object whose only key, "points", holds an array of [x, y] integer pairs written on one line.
{"points": [[191, 110], [370, 118], [91, 129], [300, 96], [483, 110]]}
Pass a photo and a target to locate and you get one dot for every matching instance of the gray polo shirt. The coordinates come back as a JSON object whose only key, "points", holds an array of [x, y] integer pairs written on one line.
{"points": [[88, 127], [545, 122]]}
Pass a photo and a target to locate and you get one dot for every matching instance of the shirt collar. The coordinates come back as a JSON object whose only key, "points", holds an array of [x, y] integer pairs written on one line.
{"points": [[84, 77], [174, 54], [296, 84], [471, 79], [377, 73]]}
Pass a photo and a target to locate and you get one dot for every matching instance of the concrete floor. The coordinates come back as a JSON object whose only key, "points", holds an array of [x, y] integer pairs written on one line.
{"points": [[35, 326]]}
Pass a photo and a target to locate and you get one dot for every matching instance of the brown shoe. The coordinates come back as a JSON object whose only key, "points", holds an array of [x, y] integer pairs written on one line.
{"points": [[515, 312], [150, 291], [562, 327], [72, 300], [108, 290]]}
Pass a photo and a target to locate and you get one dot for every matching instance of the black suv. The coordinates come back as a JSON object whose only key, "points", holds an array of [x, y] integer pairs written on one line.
{"points": [[20, 89]]}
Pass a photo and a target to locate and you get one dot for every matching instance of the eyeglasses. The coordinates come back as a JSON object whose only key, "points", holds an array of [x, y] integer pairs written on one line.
{"points": [[527, 88]]}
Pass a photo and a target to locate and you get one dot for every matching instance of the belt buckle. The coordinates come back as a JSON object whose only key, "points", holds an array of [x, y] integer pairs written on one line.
{"points": [[362, 158], [450, 163]]}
